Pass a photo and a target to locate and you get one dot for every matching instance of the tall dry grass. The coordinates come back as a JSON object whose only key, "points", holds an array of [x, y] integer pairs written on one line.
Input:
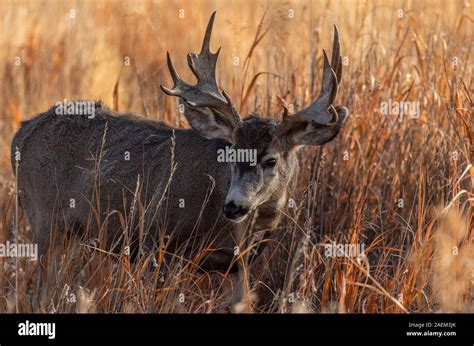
{"points": [[379, 183]]}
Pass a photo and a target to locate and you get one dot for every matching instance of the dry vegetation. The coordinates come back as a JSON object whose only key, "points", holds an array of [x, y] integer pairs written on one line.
{"points": [[401, 185]]}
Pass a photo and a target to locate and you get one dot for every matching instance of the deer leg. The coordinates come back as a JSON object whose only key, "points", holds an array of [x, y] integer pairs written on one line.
{"points": [[240, 280]]}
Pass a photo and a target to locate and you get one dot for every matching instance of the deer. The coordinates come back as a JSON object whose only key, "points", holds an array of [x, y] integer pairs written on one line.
{"points": [[186, 195]]}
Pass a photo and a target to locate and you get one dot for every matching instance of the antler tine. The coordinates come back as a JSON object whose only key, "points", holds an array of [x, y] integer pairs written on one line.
{"points": [[328, 85], [203, 64], [336, 59], [207, 36], [331, 73], [321, 111], [206, 92], [175, 76]]}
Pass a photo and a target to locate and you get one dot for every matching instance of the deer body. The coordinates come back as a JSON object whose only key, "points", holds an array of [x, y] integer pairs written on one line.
{"points": [[58, 164], [172, 184]]}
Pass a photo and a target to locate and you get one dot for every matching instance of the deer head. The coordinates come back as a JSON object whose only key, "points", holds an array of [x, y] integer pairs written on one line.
{"points": [[212, 114]]}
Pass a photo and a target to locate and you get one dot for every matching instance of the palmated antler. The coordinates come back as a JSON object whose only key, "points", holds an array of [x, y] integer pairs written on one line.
{"points": [[206, 92]]}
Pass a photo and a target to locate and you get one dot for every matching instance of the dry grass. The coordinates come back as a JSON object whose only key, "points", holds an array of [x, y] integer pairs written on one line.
{"points": [[379, 183]]}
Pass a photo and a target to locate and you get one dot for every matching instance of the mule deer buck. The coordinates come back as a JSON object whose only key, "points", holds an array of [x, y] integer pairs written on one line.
{"points": [[172, 186]]}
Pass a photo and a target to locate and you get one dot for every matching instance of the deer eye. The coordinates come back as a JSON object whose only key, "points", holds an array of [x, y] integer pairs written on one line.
{"points": [[270, 163]]}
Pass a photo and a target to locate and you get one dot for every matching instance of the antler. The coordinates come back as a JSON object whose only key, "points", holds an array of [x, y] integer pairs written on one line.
{"points": [[206, 92], [322, 112]]}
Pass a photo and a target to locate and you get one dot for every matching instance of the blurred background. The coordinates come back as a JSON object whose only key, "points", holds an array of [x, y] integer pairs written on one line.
{"points": [[378, 183], [56, 49]]}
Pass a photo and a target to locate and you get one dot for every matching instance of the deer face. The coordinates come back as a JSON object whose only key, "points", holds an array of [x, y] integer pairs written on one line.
{"points": [[255, 183], [212, 114], [276, 145]]}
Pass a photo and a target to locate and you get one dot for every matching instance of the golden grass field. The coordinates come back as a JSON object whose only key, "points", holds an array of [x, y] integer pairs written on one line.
{"points": [[401, 184]]}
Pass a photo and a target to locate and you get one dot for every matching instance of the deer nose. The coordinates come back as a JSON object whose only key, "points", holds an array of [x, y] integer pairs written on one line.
{"points": [[233, 211]]}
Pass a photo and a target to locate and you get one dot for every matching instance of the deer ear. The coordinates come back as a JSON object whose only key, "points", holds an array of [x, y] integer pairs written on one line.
{"points": [[209, 123], [304, 132]]}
